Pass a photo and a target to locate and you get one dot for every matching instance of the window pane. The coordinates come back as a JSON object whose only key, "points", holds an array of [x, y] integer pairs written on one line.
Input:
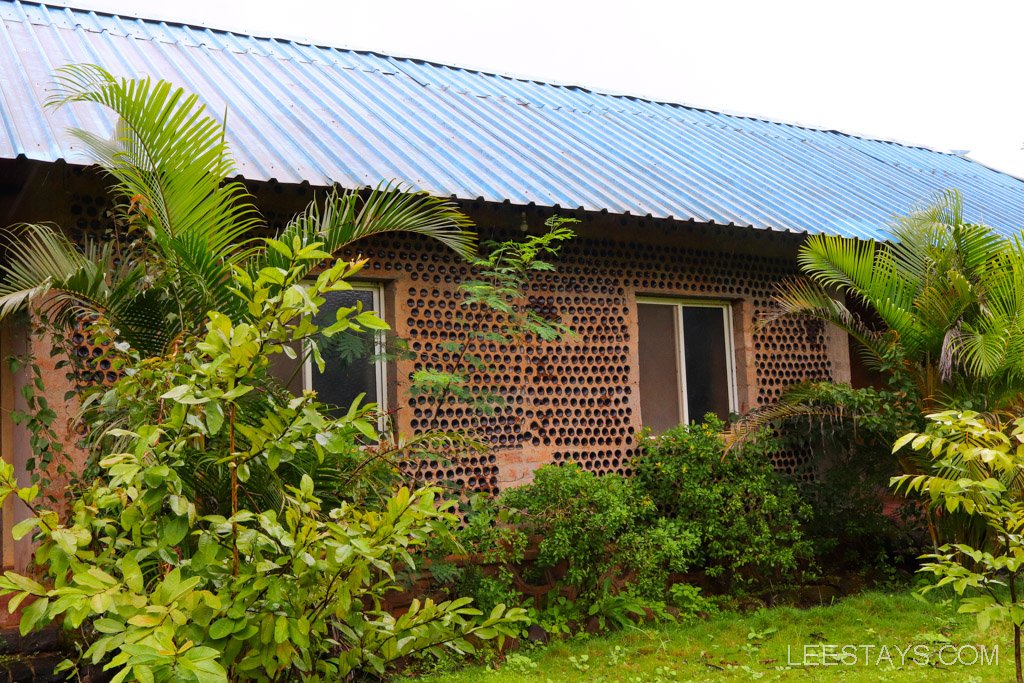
{"points": [[660, 396], [707, 370], [349, 368]]}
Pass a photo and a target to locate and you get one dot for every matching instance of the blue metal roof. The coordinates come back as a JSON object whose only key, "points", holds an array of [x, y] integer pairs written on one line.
{"points": [[325, 115]]}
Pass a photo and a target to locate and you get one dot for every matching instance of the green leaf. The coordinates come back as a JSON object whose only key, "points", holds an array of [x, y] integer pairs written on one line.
{"points": [[178, 505], [281, 629], [371, 321], [23, 528], [903, 441], [32, 615], [107, 625], [177, 392], [131, 573], [146, 620], [237, 392], [143, 673], [214, 417], [173, 530], [222, 628], [273, 458], [25, 584], [65, 539]]}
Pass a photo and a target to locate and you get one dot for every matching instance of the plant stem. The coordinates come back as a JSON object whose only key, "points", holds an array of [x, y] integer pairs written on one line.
{"points": [[1016, 626], [1016, 652], [234, 490]]}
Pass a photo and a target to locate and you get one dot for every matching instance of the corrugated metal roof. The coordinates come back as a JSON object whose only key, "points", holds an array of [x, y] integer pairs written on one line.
{"points": [[299, 112]]}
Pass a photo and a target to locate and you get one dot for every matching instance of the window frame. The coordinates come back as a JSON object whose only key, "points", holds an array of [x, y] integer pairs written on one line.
{"points": [[380, 366], [730, 345]]}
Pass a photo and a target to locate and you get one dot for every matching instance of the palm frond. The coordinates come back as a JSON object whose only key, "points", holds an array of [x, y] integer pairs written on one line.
{"points": [[839, 263], [866, 272], [345, 216], [800, 297], [980, 352], [791, 405], [950, 292], [169, 160], [42, 262], [168, 156]]}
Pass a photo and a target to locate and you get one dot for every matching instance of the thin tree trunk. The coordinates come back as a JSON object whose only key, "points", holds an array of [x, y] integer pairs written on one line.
{"points": [[1016, 652], [933, 530], [1016, 628], [234, 491]]}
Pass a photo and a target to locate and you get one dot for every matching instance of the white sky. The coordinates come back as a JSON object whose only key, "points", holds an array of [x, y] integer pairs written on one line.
{"points": [[942, 74]]}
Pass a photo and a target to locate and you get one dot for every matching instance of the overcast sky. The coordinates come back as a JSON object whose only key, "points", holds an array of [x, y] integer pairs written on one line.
{"points": [[941, 74]]}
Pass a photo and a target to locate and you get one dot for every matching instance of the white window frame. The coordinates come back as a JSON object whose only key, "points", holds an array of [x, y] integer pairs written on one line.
{"points": [[380, 366], [730, 349]]}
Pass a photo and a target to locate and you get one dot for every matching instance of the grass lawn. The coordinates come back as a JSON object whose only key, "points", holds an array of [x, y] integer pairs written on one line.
{"points": [[768, 645]]}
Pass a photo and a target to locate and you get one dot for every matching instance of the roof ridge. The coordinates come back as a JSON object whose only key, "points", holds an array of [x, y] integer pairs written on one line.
{"points": [[71, 5]]}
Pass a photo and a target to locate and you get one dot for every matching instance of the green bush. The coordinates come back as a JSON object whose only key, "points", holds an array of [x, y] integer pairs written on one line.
{"points": [[577, 516], [689, 600], [493, 545], [746, 514], [655, 550], [615, 556], [848, 434], [975, 470], [166, 587], [162, 596]]}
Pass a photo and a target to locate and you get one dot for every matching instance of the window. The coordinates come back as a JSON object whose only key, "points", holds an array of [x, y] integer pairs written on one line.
{"points": [[686, 361], [352, 363]]}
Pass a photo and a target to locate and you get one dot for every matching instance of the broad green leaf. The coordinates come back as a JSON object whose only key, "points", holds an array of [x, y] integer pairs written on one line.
{"points": [[32, 615], [214, 417], [177, 392], [23, 528], [222, 628], [173, 530]]}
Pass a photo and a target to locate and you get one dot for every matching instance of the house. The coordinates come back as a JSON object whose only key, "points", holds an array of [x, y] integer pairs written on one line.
{"points": [[688, 219]]}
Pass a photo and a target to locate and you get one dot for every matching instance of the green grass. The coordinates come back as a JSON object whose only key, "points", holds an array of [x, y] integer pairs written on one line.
{"points": [[734, 647]]}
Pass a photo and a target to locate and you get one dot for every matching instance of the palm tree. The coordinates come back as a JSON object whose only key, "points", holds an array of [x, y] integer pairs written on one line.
{"points": [[945, 318], [947, 298], [169, 161], [944, 303]]}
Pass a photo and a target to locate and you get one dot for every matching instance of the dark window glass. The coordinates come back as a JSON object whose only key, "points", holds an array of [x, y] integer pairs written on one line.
{"points": [[660, 395], [707, 369], [694, 337], [350, 366]]}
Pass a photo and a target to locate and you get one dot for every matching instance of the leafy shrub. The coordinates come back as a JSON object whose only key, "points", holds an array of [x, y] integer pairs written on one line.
{"points": [[577, 516], [166, 587], [559, 617], [747, 515], [689, 600], [304, 600], [486, 589], [491, 532], [491, 544], [974, 469], [617, 609], [655, 550], [848, 433]]}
